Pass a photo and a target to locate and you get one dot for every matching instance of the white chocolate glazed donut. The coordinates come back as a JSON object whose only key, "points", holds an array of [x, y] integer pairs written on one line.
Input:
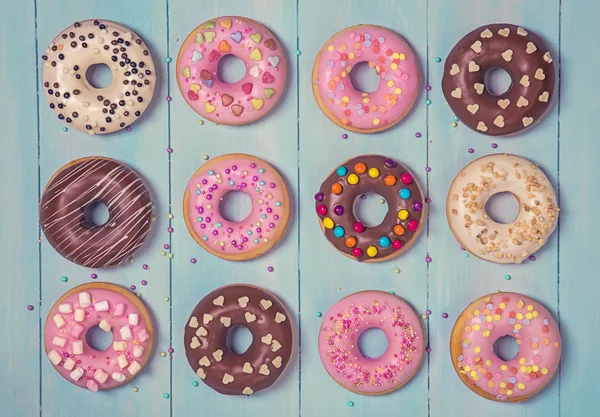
{"points": [[477, 232], [74, 99]]}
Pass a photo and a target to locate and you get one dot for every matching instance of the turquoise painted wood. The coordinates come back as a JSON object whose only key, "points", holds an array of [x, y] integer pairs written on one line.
{"points": [[301, 142]]}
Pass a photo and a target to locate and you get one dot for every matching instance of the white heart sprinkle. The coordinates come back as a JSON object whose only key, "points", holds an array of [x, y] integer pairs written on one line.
{"points": [[476, 47], [254, 71], [226, 321], [218, 355], [548, 57], [204, 361], [539, 74], [507, 55], [277, 362], [194, 322], [275, 346], [522, 102], [201, 374], [544, 97], [219, 301], [227, 379], [264, 370], [527, 121], [481, 126], [456, 93], [479, 88], [195, 342], [201, 332], [274, 60], [247, 369], [197, 56], [249, 317], [454, 69], [279, 318], [531, 48], [487, 34], [473, 67], [243, 301], [525, 81], [248, 391], [266, 339], [473, 108], [207, 318], [499, 121], [504, 103], [504, 32], [521, 31], [265, 304]]}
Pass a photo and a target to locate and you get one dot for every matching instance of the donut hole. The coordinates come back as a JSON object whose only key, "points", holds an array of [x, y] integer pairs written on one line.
{"points": [[235, 206], [238, 340], [364, 78], [95, 214], [372, 343], [230, 69], [506, 348], [370, 209], [497, 81], [99, 75], [98, 339], [502, 207]]}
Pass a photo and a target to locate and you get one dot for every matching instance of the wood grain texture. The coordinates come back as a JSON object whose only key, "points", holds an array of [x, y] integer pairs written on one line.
{"points": [[309, 275]]}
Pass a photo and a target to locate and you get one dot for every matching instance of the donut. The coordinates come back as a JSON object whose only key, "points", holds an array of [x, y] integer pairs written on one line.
{"points": [[395, 64], [492, 241], [505, 314], [355, 177], [86, 182], [338, 342], [523, 55], [114, 309], [242, 102], [83, 106], [257, 233], [224, 309]]}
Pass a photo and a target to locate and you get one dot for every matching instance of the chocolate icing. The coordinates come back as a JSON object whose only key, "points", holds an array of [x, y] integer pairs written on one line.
{"points": [[88, 181], [526, 59], [206, 332], [351, 192]]}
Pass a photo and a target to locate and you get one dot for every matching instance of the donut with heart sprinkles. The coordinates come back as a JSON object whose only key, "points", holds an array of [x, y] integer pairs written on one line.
{"points": [[337, 197], [71, 95], [246, 100], [523, 55], [207, 330]]}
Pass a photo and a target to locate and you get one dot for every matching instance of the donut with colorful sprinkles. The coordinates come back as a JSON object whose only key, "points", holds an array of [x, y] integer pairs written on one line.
{"points": [[343, 325], [523, 55], [71, 95], [113, 309], [246, 100], [395, 64], [257, 233], [505, 314], [339, 193], [265, 360], [487, 239]]}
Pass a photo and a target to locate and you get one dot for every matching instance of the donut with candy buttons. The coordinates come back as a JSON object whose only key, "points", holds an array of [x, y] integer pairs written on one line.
{"points": [[114, 309], [344, 186], [205, 339], [83, 106], [395, 64], [494, 316], [487, 239], [257, 233], [242, 102], [342, 327], [523, 55]]}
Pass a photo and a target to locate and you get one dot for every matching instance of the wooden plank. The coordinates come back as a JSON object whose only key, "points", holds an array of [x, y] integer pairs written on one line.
{"points": [[144, 149], [273, 139], [455, 281], [327, 276]]}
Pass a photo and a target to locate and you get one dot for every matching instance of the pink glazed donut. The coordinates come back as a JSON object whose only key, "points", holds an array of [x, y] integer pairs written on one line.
{"points": [[505, 314], [236, 103], [114, 309], [343, 324], [257, 233], [392, 59]]}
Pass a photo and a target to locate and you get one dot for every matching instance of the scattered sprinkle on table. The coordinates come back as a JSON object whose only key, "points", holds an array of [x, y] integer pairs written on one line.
{"points": [[532, 258], [270, 269], [163, 253], [166, 246], [392, 292], [471, 150], [170, 350], [445, 315], [128, 128], [64, 279], [318, 313], [438, 59], [427, 169], [166, 298], [170, 255], [170, 230], [193, 260], [494, 145], [298, 52], [428, 312], [418, 135], [428, 259], [200, 122], [350, 403], [428, 87], [65, 129], [145, 266], [195, 383], [396, 271], [428, 349], [163, 354], [428, 102], [205, 157], [453, 124], [144, 282], [423, 316], [135, 389], [168, 60], [132, 288], [169, 98], [132, 260], [30, 307], [507, 277], [455, 119], [94, 276], [166, 395], [170, 150], [171, 215], [344, 136], [466, 255]]}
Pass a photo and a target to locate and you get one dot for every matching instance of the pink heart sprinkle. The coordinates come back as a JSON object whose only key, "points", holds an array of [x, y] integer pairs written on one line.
{"points": [[337, 55], [404, 77], [351, 34]]}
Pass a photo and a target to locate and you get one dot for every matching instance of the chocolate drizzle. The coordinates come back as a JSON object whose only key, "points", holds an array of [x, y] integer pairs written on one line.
{"points": [[88, 181]]}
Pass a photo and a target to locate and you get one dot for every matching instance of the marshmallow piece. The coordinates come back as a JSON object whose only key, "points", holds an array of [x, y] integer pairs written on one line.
{"points": [[138, 351], [119, 346], [54, 357], [77, 346], [134, 319], [84, 299], [101, 306], [125, 333], [104, 325], [76, 330], [69, 364], [122, 361], [76, 374], [91, 385], [118, 376], [134, 368], [143, 335], [59, 321], [100, 376], [119, 310], [65, 308], [59, 341], [79, 314]]}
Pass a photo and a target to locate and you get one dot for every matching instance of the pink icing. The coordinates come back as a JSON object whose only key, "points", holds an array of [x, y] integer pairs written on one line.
{"points": [[92, 361], [536, 333], [246, 100], [237, 173], [343, 324], [392, 59]]}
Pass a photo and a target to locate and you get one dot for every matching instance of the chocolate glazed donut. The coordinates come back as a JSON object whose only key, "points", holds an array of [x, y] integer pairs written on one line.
{"points": [[267, 357], [343, 187], [85, 182], [519, 52]]}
